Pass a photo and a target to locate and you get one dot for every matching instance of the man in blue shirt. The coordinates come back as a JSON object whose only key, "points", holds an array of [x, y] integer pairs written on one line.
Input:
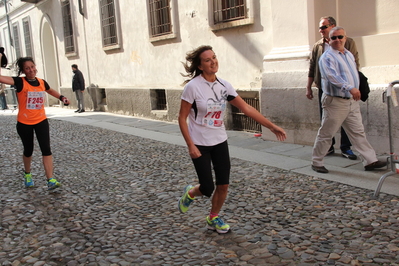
{"points": [[340, 102], [314, 76]]}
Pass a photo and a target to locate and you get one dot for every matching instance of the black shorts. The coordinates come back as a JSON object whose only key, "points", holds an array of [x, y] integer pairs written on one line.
{"points": [[219, 157], [42, 131]]}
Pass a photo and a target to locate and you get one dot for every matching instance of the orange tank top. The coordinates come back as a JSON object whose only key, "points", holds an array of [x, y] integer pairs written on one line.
{"points": [[31, 103]]}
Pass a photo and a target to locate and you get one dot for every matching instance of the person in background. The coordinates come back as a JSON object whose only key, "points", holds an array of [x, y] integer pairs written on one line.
{"points": [[31, 118], [340, 103], [325, 25], [3, 64], [78, 86], [204, 101]]}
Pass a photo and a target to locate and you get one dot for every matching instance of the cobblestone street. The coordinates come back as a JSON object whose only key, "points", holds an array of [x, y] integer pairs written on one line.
{"points": [[118, 206]]}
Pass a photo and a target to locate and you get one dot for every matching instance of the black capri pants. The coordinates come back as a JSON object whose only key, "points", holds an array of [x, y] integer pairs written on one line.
{"points": [[42, 131], [219, 157]]}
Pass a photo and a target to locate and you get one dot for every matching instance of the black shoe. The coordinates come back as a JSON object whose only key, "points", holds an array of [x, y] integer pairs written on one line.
{"points": [[349, 154], [330, 151], [377, 164], [320, 169], [77, 111], [81, 111]]}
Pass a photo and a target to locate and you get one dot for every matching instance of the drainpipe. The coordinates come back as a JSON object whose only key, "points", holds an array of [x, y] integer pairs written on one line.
{"points": [[8, 23], [87, 56], [81, 8]]}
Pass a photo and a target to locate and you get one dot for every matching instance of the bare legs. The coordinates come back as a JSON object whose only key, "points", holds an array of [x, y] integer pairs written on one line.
{"points": [[47, 163], [48, 166], [218, 198], [27, 163]]}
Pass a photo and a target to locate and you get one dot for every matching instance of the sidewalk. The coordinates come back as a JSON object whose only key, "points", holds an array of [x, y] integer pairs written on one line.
{"points": [[243, 145]]}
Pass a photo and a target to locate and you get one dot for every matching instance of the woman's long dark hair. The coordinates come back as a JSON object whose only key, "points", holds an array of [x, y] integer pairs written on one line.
{"points": [[20, 63], [4, 60], [193, 60]]}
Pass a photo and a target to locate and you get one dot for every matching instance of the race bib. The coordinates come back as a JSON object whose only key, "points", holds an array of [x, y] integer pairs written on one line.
{"points": [[35, 100], [214, 115]]}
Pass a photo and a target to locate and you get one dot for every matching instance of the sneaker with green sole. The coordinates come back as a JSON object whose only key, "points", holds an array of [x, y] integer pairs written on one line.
{"points": [[185, 200], [28, 181], [218, 225], [53, 184]]}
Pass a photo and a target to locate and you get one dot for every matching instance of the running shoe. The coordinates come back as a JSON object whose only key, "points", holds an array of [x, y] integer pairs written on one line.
{"points": [[349, 154], [217, 224], [53, 184], [28, 180], [185, 200]]}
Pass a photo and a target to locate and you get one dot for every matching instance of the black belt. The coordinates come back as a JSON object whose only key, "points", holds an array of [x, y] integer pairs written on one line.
{"points": [[346, 98]]}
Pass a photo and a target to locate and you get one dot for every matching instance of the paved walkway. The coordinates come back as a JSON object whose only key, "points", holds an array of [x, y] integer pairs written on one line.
{"points": [[122, 176], [243, 145]]}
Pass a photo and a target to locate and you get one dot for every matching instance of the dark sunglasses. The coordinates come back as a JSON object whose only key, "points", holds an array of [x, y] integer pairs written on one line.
{"points": [[335, 37], [324, 27]]}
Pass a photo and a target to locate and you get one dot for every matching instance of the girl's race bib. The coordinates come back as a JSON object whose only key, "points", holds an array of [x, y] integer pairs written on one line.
{"points": [[35, 100], [214, 115]]}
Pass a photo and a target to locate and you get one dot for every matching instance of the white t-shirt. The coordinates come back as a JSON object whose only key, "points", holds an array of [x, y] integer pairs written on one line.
{"points": [[209, 100]]}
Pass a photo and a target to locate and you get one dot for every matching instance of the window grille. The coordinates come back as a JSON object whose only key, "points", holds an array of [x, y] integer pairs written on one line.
{"points": [[68, 28], [27, 37], [17, 44], [160, 18], [242, 122], [161, 99], [108, 22], [228, 10]]}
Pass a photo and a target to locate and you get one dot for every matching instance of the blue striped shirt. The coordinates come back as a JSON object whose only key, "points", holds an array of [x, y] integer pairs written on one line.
{"points": [[338, 73]]}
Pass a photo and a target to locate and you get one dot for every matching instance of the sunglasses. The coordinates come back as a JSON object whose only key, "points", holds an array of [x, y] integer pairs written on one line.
{"points": [[324, 27], [335, 37]]}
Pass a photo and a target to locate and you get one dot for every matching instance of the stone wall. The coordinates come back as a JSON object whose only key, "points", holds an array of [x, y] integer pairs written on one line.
{"points": [[67, 92], [134, 102]]}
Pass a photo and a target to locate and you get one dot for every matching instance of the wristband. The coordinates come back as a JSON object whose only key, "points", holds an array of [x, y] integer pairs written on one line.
{"points": [[61, 96]]}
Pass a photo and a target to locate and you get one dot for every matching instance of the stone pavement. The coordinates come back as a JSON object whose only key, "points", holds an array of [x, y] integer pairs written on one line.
{"points": [[122, 177]]}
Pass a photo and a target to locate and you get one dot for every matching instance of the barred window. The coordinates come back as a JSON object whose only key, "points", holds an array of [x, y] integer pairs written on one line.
{"points": [[69, 42], [108, 22], [229, 10], [17, 44], [27, 37], [161, 99], [160, 17], [158, 99]]}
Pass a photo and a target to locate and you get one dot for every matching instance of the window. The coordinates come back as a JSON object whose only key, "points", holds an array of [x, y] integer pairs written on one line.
{"points": [[160, 17], [231, 13], [228, 10], [17, 44], [158, 99], [161, 99], [109, 24], [69, 41], [242, 122], [27, 37]]}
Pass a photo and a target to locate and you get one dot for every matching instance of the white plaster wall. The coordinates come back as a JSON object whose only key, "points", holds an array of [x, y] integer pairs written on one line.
{"points": [[289, 25], [142, 64]]}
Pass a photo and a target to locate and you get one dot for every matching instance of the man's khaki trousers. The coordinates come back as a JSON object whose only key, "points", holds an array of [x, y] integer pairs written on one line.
{"points": [[346, 112]]}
